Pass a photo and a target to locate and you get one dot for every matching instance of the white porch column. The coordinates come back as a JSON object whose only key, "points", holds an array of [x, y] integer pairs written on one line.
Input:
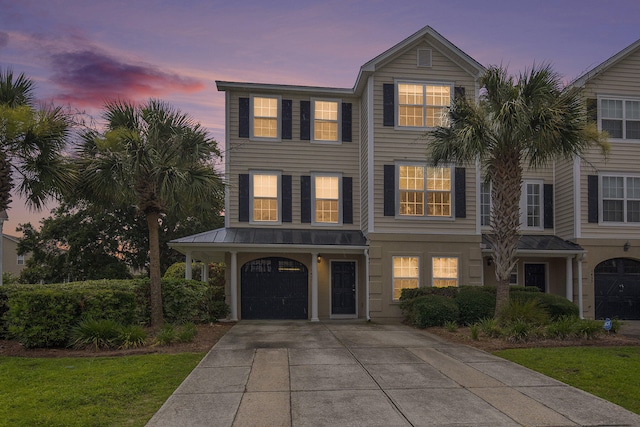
{"points": [[314, 287], [205, 271], [234, 286], [569, 278], [187, 267], [580, 258]]}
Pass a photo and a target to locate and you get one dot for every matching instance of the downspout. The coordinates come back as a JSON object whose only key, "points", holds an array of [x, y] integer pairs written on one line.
{"points": [[580, 258], [366, 256]]}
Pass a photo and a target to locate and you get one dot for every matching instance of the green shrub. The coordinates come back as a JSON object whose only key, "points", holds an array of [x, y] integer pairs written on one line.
{"points": [[489, 326], [527, 311], [132, 336], [166, 335], [518, 330], [96, 334], [186, 332], [432, 310], [474, 331], [411, 293], [474, 304], [451, 326], [555, 305], [562, 328], [588, 329]]}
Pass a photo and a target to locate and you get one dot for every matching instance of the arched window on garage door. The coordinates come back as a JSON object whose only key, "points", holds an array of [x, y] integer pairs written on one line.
{"points": [[617, 289], [274, 288]]}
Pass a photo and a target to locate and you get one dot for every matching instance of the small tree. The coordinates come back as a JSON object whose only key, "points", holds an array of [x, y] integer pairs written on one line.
{"points": [[515, 124]]}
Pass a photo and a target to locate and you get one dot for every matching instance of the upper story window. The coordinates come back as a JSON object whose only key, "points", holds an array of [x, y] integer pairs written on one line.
{"points": [[265, 197], [423, 105], [620, 118], [424, 191], [445, 271], [20, 260], [265, 123], [620, 199], [406, 274], [531, 204], [325, 120], [326, 199]]}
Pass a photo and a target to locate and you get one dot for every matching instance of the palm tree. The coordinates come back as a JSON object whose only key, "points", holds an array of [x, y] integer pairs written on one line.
{"points": [[157, 159], [515, 124], [31, 144]]}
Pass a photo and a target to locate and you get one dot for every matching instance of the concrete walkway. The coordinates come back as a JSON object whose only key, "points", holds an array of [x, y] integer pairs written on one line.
{"points": [[353, 373]]}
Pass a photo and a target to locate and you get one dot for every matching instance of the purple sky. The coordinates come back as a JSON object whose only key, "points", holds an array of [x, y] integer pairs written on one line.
{"points": [[82, 53]]}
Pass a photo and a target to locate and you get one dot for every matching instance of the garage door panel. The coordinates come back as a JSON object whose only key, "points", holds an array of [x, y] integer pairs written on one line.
{"points": [[274, 288], [617, 289]]}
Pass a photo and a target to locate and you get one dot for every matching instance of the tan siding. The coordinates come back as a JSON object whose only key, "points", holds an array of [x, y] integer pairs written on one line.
{"points": [[410, 145], [563, 203], [619, 79], [364, 156], [293, 157]]}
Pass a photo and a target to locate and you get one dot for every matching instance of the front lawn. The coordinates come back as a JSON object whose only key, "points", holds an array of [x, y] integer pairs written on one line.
{"points": [[101, 391], [611, 373]]}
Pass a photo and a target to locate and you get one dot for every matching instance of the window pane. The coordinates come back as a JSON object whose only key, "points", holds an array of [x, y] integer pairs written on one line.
{"points": [[612, 187], [410, 94], [438, 204], [265, 128], [633, 188], [633, 130], [265, 185], [611, 109], [632, 110], [326, 110], [439, 179], [265, 209], [327, 211], [612, 127], [633, 211], [411, 203], [439, 95], [411, 177], [405, 274], [612, 210], [411, 116], [327, 187]]}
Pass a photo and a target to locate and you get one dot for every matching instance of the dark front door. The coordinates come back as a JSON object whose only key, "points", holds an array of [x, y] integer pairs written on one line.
{"points": [[617, 288], [343, 287], [274, 288], [535, 275]]}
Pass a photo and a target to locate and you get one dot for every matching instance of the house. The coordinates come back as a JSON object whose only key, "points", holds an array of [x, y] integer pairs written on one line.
{"points": [[333, 207], [12, 262]]}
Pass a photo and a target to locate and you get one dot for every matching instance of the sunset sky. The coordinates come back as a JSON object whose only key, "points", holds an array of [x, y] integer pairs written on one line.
{"points": [[82, 53]]}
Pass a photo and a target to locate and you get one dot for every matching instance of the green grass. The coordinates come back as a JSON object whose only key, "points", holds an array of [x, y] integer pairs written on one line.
{"points": [[608, 372], [101, 391]]}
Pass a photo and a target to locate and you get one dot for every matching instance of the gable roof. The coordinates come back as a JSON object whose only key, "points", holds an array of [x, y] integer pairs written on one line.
{"points": [[583, 79]]}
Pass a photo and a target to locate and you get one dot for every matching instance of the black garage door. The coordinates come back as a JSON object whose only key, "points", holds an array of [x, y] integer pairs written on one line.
{"points": [[617, 286], [274, 288]]}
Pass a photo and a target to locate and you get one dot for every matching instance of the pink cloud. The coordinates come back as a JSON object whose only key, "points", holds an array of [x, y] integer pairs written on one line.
{"points": [[89, 78]]}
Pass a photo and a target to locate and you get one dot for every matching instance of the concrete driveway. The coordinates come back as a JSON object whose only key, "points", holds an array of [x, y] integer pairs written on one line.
{"points": [[353, 373]]}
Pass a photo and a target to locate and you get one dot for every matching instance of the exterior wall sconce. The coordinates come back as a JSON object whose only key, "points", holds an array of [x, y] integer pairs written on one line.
{"points": [[319, 259], [489, 261], [626, 247]]}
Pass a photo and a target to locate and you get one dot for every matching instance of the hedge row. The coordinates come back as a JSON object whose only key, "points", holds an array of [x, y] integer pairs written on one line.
{"points": [[466, 305], [43, 315]]}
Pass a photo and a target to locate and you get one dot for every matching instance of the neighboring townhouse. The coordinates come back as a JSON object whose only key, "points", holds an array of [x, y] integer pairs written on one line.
{"points": [[332, 206], [12, 262]]}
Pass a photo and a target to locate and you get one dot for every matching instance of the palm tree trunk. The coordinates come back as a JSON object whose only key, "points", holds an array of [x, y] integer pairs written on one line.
{"points": [[506, 183], [154, 270]]}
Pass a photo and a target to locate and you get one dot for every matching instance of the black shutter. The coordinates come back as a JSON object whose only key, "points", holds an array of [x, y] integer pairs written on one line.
{"points": [[287, 118], [286, 198], [346, 122], [592, 110], [243, 120], [389, 190], [305, 120], [347, 200], [243, 197], [461, 190], [548, 205], [458, 92], [592, 198], [305, 199], [388, 103]]}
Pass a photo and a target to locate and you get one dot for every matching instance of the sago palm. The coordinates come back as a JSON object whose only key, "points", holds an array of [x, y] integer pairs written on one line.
{"points": [[157, 159], [515, 124]]}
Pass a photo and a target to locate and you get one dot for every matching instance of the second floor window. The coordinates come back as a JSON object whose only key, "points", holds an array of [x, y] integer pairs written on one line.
{"points": [[423, 104], [325, 120], [620, 118], [621, 199], [265, 197], [20, 259], [485, 204], [326, 190], [424, 191], [265, 117], [531, 204]]}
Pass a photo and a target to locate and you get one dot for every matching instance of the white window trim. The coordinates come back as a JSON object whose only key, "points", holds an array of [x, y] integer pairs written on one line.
{"points": [[423, 83], [601, 220], [524, 206], [251, 197], [338, 121], [313, 199], [393, 277], [433, 277], [425, 216], [20, 260], [278, 136], [624, 120]]}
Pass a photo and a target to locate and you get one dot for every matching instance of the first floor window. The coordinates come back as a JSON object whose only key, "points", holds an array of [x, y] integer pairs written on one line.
{"points": [[424, 191], [327, 198], [406, 274], [265, 197], [620, 199], [445, 272]]}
